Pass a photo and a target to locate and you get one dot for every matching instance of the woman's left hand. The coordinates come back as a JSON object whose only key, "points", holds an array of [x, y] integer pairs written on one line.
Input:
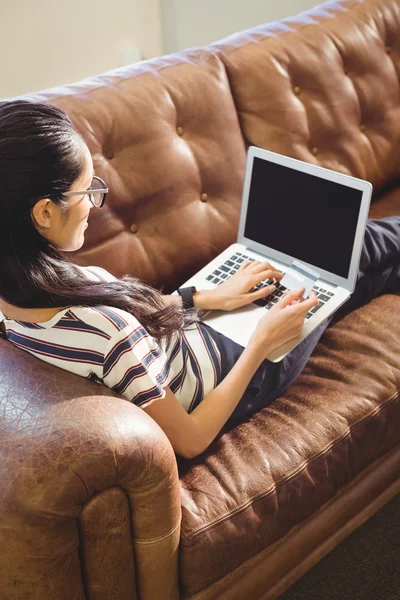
{"points": [[235, 291]]}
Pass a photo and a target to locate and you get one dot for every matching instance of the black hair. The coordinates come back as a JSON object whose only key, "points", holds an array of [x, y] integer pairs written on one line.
{"points": [[41, 156]]}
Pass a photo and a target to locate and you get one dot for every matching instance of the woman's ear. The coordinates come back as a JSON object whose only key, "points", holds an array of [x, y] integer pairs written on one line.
{"points": [[42, 213]]}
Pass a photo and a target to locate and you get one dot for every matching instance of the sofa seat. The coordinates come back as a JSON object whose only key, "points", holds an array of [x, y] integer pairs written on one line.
{"points": [[275, 470], [236, 502]]}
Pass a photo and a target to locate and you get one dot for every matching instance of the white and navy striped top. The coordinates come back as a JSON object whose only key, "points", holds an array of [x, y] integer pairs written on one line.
{"points": [[109, 345]]}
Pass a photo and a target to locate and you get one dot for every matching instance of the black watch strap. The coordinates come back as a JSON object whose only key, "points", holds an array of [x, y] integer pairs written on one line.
{"points": [[186, 294]]}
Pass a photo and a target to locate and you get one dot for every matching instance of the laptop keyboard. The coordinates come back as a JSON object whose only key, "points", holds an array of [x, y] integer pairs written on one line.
{"points": [[231, 265]]}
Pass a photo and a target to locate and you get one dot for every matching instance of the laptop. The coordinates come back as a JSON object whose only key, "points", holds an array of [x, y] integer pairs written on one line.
{"points": [[297, 213]]}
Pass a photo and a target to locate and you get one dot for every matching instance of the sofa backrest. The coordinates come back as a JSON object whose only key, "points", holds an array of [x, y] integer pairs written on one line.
{"points": [[170, 135], [165, 137], [323, 87]]}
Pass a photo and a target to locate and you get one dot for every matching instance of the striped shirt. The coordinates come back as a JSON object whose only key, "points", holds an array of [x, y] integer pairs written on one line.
{"points": [[109, 346]]}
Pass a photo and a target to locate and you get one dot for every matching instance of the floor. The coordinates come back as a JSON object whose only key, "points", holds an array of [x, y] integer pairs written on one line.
{"points": [[365, 566]]}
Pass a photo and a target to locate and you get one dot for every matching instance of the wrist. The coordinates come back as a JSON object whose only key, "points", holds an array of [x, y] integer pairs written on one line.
{"points": [[203, 300], [255, 354], [259, 348]]}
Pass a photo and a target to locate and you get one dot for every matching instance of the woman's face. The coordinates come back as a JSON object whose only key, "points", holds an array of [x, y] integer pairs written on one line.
{"points": [[67, 234]]}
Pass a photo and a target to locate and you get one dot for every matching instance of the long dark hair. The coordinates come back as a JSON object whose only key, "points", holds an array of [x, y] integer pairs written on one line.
{"points": [[41, 156]]}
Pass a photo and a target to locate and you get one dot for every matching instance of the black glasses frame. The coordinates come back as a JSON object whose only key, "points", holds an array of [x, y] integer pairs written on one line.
{"points": [[103, 190]]}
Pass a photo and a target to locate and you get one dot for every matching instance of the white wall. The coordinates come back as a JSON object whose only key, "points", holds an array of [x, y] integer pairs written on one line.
{"points": [[188, 23], [44, 43]]}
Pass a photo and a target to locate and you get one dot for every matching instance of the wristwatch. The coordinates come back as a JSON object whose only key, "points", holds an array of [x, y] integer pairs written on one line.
{"points": [[186, 293]]}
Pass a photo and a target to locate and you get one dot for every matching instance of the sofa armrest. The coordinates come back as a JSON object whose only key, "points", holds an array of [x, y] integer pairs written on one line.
{"points": [[89, 485]]}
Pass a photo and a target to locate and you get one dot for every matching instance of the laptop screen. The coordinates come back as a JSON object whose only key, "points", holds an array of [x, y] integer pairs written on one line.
{"points": [[307, 217]]}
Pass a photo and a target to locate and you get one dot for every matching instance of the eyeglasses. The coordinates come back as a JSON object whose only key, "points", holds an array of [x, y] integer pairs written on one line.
{"points": [[97, 192]]}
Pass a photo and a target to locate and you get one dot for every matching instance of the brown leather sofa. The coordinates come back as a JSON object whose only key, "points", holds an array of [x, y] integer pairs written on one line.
{"points": [[93, 502]]}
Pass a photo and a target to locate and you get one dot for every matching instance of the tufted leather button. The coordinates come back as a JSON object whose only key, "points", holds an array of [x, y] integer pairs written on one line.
{"points": [[204, 197], [362, 127], [180, 130], [133, 228], [388, 49], [110, 154], [314, 151], [297, 90]]}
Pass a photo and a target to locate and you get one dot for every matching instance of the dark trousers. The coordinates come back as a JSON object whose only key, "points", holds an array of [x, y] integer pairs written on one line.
{"points": [[379, 273]]}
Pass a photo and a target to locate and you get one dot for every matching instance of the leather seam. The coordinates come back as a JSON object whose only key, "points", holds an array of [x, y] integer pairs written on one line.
{"points": [[160, 538], [188, 540]]}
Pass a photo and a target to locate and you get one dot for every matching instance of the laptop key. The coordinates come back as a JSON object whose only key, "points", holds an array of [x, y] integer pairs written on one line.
{"points": [[210, 278], [308, 316], [260, 302], [224, 268], [323, 291], [215, 280], [323, 298], [330, 293], [316, 308], [229, 263]]}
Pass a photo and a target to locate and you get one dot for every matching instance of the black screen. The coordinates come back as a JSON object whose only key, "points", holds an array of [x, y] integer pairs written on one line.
{"points": [[307, 217]]}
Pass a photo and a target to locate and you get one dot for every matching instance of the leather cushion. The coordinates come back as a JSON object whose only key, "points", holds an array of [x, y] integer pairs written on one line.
{"points": [[165, 136], [273, 471], [323, 87]]}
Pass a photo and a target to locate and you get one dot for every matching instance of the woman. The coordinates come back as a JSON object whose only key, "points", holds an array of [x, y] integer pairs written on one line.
{"points": [[122, 332]]}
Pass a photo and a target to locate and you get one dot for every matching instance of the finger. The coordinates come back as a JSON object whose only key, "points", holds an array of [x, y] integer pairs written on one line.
{"points": [[307, 304], [261, 293], [268, 274], [245, 264], [277, 275], [261, 265], [290, 296], [258, 267], [297, 293]]}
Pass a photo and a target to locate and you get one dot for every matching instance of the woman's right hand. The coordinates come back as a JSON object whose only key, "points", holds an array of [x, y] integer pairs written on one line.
{"points": [[283, 322]]}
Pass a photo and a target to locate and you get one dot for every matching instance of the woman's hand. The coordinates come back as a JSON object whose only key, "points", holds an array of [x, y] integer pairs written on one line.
{"points": [[283, 322], [235, 291]]}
